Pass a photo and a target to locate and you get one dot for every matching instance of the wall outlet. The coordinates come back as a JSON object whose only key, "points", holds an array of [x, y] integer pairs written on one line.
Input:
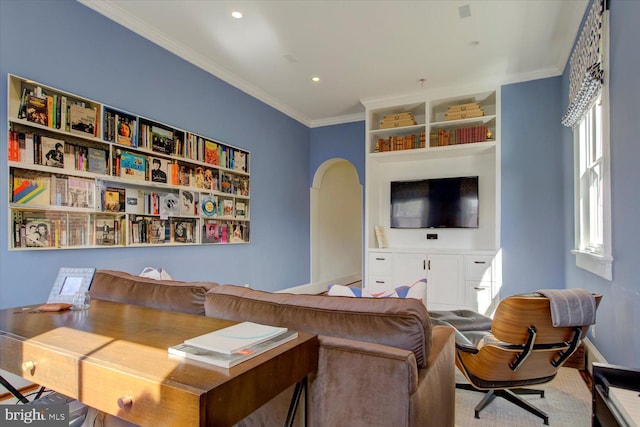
{"points": [[432, 236]]}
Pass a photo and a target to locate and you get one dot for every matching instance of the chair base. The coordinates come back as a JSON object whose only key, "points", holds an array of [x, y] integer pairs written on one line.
{"points": [[511, 396]]}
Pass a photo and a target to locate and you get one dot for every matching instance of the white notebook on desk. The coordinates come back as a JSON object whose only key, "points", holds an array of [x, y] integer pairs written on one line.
{"points": [[627, 402], [237, 337]]}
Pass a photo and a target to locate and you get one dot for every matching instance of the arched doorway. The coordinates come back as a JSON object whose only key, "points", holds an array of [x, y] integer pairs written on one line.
{"points": [[336, 224]]}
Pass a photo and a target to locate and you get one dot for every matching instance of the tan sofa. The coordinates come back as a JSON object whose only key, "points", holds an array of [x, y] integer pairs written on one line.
{"points": [[381, 363]]}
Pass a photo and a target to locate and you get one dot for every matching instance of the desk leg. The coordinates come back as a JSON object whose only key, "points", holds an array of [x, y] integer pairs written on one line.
{"points": [[301, 386], [13, 390]]}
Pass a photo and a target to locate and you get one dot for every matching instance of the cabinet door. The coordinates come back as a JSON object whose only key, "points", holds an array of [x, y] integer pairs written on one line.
{"points": [[445, 286], [408, 268]]}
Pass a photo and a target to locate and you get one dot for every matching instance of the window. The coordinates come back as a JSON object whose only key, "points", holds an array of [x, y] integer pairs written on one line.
{"points": [[589, 118], [592, 189]]}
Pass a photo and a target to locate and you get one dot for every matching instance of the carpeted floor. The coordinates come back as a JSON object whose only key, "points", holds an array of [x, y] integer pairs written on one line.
{"points": [[567, 401]]}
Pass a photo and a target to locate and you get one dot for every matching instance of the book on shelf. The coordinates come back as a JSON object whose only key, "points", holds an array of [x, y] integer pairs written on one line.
{"points": [[114, 199], [37, 110], [210, 232], [225, 183], [63, 123], [209, 205], [183, 230], [238, 235], [244, 186], [240, 161], [80, 192], [125, 130], [31, 191], [106, 231], [14, 147], [134, 201], [29, 150], [381, 236], [52, 151], [199, 178], [97, 161], [158, 171], [59, 190], [161, 140], [224, 360], [188, 202], [185, 175], [227, 207], [132, 166], [82, 120], [169, 205], [158, 231], [237, 337], [240, 210], [38, 232], [211, 154]]}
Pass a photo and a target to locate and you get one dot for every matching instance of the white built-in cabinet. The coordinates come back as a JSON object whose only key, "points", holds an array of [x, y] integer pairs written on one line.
{"points": [[454, 280], [462, 265]]}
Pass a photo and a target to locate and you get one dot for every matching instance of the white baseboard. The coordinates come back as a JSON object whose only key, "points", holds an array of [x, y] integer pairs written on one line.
{"points": [[321, 286], [592, 354]]}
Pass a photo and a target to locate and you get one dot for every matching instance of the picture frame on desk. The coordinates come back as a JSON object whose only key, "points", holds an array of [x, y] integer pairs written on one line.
{"points": [[70, 281]]}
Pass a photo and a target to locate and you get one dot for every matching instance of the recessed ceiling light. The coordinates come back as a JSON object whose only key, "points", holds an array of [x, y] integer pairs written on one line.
{"points": [[315, 79], [236, 14]]}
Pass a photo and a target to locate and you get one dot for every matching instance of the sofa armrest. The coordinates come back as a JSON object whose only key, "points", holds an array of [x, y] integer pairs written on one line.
{"points": [[433, 403], [365, 382]]}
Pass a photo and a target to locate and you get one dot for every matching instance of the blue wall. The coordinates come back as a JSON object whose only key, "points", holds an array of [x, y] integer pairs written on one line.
{"points": [[617, 334], [532, 195], [345, 141], [98, 59], [69, 46]]}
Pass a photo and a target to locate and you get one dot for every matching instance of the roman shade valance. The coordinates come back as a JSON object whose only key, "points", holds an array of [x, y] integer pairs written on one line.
{"points": [[586, 66]]}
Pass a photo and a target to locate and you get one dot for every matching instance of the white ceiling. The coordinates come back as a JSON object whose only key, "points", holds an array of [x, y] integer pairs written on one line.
{"points": [[361, 50]]}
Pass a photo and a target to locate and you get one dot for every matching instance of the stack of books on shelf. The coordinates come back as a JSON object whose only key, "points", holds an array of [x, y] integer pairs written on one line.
{"points": [[57, 111], [406, 142], [230, 346], [397, 120], [465, 135], [464, 111]]}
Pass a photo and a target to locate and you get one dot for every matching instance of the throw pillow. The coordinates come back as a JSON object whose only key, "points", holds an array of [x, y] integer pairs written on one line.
{"points": [[417, 290], [155, 273], [347, 291]]}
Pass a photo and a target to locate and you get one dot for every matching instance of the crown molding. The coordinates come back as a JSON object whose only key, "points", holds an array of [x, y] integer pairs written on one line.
{"points": [[338, 120], [119, 16]]}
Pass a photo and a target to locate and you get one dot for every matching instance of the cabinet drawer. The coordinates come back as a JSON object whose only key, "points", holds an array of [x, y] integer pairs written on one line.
{"points": [[478, 268], [40, 365], [138, 399], [380, 264], [479, 296]]}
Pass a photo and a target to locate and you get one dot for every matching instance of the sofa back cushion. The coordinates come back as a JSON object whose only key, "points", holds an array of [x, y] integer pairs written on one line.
{"points": [[401, 323], [118, 286]]}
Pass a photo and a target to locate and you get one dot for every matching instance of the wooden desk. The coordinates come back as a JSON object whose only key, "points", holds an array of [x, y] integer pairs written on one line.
{"points": [[114, 357], [606, 411]]}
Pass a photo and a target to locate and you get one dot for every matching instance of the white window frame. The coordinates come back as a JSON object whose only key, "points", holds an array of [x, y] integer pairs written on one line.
{"points": [[595, 257]]}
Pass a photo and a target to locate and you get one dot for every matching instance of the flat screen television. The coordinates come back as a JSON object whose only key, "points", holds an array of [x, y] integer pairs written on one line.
{"points": [[435, 203]]}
